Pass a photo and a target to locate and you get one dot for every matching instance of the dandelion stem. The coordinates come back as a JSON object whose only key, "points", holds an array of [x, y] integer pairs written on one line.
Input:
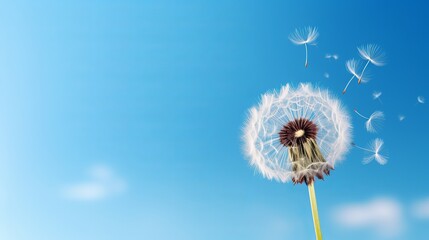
{"points": [[314, 211], [360, 115], [306, 55], [345, 89], [361, 75]]}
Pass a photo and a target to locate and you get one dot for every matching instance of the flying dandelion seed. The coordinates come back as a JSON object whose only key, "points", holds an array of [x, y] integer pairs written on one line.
{"points": [[304, 37], [401, 118], [333, 56], [376, 95], [352, 65], [326, 75], [372, 121], [374, 151], [372, 54], [421, 99], [297, 135]]}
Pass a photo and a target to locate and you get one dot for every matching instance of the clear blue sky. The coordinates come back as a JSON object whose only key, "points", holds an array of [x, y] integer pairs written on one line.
{"points": [[158, 92]]}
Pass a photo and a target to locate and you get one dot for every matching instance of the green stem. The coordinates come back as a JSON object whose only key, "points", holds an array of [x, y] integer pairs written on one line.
{"points": [[314, 211]]}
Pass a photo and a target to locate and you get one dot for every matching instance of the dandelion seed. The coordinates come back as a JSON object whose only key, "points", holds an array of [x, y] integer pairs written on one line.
{"points": [[352, 65], [421, 99], [374, 149], [297, 135], [372, 121], [376, 95], [326, 75], [372, 54], [401, 118], [304, 37], [334, 56]]}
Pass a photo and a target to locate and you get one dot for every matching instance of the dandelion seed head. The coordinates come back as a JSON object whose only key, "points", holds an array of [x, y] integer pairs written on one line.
{"points": [[304, 35], [372, 53], [296, 134]]}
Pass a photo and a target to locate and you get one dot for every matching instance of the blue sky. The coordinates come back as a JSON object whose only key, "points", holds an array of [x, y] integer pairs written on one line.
{"points": [[141, 105]]}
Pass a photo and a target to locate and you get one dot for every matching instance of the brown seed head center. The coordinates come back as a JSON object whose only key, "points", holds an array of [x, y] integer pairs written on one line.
{"points": [[299, 133]]}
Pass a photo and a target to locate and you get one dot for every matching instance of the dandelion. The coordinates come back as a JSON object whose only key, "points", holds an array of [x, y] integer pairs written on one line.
{"points": [[421, 99], [372, 121], [374, 151], [352, 65], [401, 118], [372, 54], [297, 135], [304, 37]]}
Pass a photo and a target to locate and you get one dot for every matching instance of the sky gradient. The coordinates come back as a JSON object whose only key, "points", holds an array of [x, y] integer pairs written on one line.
{"points": [[123, 119]]}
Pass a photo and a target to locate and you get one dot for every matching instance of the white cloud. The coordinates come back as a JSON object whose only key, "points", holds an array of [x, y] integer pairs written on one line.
{"points": [[102, 183], [383, 216], [421, 209]]}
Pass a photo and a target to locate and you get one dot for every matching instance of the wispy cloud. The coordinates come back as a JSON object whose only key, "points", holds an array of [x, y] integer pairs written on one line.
{"points": [[265, 222], [421, 208], [101, 183], [382, 216]]}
